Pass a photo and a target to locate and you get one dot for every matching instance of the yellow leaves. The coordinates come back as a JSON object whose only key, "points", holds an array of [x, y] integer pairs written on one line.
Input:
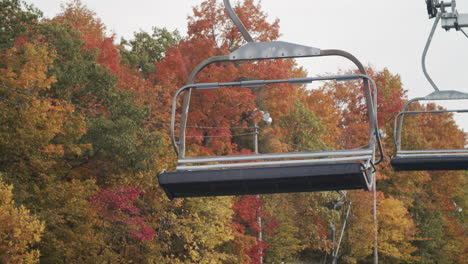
{"points": [[216, 211], [360, 230], [35, 129], [196, 229], [75, 232], [19, 230], [27, 65], [396, 230], [32, 128]]}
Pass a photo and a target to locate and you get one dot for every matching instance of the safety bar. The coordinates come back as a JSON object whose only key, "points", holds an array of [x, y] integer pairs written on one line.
{"points": [[435, 151], [441, 154], [301, 155], [433, 112], [444, 4], [258, 83], [274, 163]]}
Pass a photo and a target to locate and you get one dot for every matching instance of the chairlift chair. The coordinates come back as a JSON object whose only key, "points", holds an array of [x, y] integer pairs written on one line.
{"points": [[277, 172], [428, 160]]}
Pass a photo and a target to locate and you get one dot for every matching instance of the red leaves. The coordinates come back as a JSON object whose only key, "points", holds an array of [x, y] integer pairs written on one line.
{"points": [[257, 251], [118, 205], [93, 35], [109, 55], [120, 198], [247, 212]]}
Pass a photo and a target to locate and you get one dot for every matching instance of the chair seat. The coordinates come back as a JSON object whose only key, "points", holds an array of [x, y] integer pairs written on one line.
{"points": [[285, 179], [430, 163]]}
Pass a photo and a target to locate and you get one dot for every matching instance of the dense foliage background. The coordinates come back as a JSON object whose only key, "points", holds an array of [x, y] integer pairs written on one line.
{"points": [[84, 124]]}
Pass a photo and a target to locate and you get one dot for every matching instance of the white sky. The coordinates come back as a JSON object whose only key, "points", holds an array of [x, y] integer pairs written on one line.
{"points": [[380, 33]]}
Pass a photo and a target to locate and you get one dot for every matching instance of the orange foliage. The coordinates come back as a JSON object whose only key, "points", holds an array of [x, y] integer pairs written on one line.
{"points": [[210, 34], [93, 35]]}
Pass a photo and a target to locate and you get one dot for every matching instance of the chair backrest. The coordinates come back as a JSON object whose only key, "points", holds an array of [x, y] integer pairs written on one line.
{"points": [[434, 96]]}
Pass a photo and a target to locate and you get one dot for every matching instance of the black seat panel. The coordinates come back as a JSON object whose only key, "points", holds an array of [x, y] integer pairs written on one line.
{"points": [[430, 163], [286, 179]]}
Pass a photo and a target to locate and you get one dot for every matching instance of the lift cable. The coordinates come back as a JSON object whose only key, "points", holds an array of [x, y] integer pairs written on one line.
{"points": [[464, 32]]}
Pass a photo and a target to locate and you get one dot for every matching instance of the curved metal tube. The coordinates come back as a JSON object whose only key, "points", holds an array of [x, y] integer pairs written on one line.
{"points": [[371, 99], [186, 103], [174, 107], [237, 21], [180, 149], [426, 48], [398, 123]]}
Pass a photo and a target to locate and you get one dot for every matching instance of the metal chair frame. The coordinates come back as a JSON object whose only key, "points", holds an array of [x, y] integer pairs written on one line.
{"points": [[399, 119], [421, 156], [262, 160], [269, 51]]}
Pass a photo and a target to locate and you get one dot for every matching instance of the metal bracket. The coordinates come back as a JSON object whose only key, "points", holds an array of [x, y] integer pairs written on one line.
{"points": [[273, 50], [447, 95], [454, 21], [450, 19]]}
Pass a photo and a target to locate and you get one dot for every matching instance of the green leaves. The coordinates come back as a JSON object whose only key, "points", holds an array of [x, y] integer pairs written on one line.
{"points": [[17, 18], [303, 129], [146, 48]]}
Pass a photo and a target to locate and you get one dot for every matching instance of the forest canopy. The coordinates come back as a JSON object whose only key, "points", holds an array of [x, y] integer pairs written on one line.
{"points": [[84, 133]]}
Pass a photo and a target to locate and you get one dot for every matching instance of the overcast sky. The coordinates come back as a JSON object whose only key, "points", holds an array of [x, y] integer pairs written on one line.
{"points": [[380, 33]]}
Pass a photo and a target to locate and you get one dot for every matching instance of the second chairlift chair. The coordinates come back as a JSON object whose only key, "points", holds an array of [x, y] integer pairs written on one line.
{"points": [[271, 173], [453, 159]]}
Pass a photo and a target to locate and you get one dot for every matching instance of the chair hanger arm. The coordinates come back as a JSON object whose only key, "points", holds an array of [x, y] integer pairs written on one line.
{"points": [[426, 48], [237, 21]]}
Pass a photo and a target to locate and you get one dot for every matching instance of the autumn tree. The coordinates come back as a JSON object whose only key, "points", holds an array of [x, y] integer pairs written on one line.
{"points": [[20, 231], [74, 231], [348, 100], [17, 18], [40, 130], [91, 82], [70, 123], [84, 134], [430, 196], [147, 48], [285, 241], [211, 33], [302, 129]]}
